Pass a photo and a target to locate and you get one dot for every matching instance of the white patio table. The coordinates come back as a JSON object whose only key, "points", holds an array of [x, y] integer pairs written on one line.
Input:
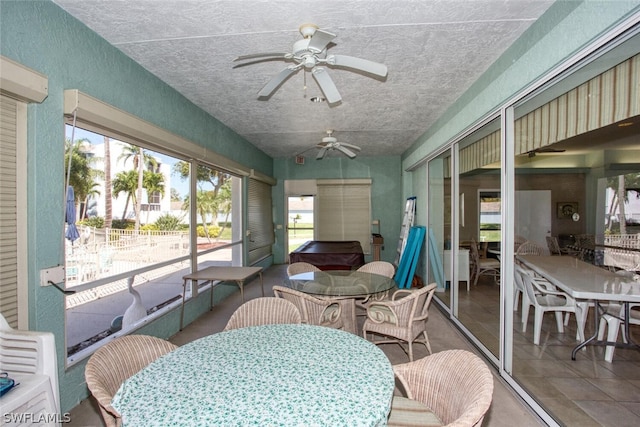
{"points": [[272, 375], [587, 282], [223, 274]]}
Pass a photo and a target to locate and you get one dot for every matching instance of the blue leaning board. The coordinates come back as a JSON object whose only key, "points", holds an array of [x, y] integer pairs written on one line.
{"points": [[418, 242], [409, 260], [403, 265]]}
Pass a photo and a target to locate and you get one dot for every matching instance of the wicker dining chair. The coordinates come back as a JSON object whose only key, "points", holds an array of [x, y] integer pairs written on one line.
{"points": [[454, 385], [116, 361], [314, 311], [402, 319], [264, 311], [530, 248], [482, 266], [383, 268], [300, 267]]}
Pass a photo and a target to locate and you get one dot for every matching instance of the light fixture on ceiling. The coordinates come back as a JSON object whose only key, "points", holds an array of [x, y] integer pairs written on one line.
{"points": [[625, 124], [540, 150], [317, 99], [311, 54]]}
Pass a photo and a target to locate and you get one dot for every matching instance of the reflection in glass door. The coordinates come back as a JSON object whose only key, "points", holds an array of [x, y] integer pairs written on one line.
{"points": [[299, 221], [478, 309], [440, 223], [588, 172]]}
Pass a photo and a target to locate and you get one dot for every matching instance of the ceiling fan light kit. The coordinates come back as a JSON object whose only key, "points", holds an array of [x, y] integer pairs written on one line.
{"points": [[310, 54]]}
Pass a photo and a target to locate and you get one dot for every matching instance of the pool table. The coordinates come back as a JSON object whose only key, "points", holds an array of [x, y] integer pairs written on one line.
{"points": [[330, 255]]}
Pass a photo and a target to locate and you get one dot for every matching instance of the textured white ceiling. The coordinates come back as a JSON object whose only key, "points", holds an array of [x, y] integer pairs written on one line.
{"points": [[434, 51]]}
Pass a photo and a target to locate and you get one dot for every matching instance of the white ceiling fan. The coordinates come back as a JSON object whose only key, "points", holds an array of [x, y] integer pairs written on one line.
{"points": [[329, 142], [311, 54]]}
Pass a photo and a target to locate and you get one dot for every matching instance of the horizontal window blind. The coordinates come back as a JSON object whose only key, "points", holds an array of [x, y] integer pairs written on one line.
{"points": [[19, 85], [344, 211], [8, 212], [260, 220]]}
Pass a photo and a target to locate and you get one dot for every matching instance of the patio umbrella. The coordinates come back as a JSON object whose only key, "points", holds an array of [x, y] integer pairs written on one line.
{"points": [[70, 218]]}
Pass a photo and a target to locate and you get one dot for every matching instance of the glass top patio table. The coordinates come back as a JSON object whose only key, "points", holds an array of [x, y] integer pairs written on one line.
{"points": [[340, 283], [271, 375]]}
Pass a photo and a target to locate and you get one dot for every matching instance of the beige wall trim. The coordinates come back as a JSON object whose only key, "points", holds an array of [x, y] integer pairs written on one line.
{"points": [[22, 83], [100, 116], [259, 176]]}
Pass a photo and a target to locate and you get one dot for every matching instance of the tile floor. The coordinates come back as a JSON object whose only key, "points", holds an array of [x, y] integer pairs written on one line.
{"points": [[506, 409], [584, 392]]}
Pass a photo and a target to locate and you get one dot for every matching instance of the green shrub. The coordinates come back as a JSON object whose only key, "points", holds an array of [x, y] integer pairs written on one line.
{"points": [[168, 222], [94, 221], [213, 231], [123, 224]]}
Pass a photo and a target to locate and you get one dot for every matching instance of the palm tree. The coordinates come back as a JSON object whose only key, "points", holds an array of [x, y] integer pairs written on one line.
{"points": [[219, 197], [205, 205], [203, 174], [153, 183], [139, 159], [224, 203], [126, 182], [82, 177]]}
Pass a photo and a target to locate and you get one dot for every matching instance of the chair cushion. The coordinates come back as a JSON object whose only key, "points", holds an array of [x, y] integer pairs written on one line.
{"points": [[381, 314], [407, 412]]}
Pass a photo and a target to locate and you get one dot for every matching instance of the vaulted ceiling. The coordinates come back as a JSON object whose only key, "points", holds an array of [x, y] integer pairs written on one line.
{"points": [[434, 50]]}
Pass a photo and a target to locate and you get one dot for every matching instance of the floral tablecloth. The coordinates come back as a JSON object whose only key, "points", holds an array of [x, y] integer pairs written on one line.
{"points": [[272, 375]]}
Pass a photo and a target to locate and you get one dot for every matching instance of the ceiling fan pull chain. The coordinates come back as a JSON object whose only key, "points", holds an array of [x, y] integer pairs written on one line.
{"points": [[304, 94]]}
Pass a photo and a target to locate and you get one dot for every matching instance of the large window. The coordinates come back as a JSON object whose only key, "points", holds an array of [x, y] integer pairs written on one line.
{"points": [[139, 217], [490, 216]]}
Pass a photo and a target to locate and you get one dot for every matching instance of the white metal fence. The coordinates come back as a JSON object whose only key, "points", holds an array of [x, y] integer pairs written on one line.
{"points": [[94, 256]]}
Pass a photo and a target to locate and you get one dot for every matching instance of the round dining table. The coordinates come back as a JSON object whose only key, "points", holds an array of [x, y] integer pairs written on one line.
{"points": [[345, 286], [270, 375], [341, 283]]}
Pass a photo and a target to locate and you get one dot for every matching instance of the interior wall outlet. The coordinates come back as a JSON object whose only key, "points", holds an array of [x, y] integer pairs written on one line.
{"points": [[53, 274]]}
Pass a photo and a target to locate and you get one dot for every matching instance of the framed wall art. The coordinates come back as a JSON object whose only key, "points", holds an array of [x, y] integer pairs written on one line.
{"points": [[565, 210]]}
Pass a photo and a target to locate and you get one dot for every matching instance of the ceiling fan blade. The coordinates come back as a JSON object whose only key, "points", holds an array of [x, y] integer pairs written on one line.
{"points": [[358, 64], [261, 55], [257, 61], [346, 151], [275, 82], [320, 40], [326, 84], [321, 153], [351, 146]]}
